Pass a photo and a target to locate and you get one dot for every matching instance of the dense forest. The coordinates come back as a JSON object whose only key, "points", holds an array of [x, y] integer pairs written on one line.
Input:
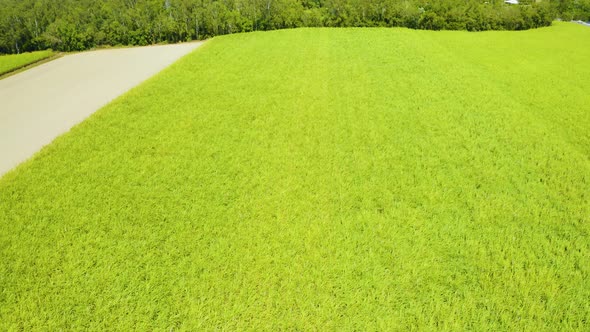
{"points": [[71, 25]]}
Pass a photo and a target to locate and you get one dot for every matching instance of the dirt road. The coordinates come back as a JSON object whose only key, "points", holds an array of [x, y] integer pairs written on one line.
{"points": [[39, 104]]}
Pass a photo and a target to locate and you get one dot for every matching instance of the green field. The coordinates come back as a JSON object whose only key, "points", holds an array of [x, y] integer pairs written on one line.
{"points": [[318, 179], [9, 63]]}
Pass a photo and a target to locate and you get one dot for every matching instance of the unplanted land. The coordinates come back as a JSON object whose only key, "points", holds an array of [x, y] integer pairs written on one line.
{"points": [[318, 179]]}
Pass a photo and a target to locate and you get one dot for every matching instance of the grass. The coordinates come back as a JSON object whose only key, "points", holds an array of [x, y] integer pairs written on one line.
{"points": [[12, 62], [317, 179]]}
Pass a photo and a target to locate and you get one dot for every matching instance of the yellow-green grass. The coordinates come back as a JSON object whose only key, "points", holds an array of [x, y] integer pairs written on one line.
{"points": [[318, 179], [12, 62]]}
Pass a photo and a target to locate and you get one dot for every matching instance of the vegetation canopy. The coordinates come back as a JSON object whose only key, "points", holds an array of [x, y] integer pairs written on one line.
{"points": [[72, 25], [317, 179]]}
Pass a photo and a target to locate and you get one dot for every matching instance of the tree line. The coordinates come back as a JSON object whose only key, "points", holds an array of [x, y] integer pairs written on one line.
{"points": [[74, 25]]}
